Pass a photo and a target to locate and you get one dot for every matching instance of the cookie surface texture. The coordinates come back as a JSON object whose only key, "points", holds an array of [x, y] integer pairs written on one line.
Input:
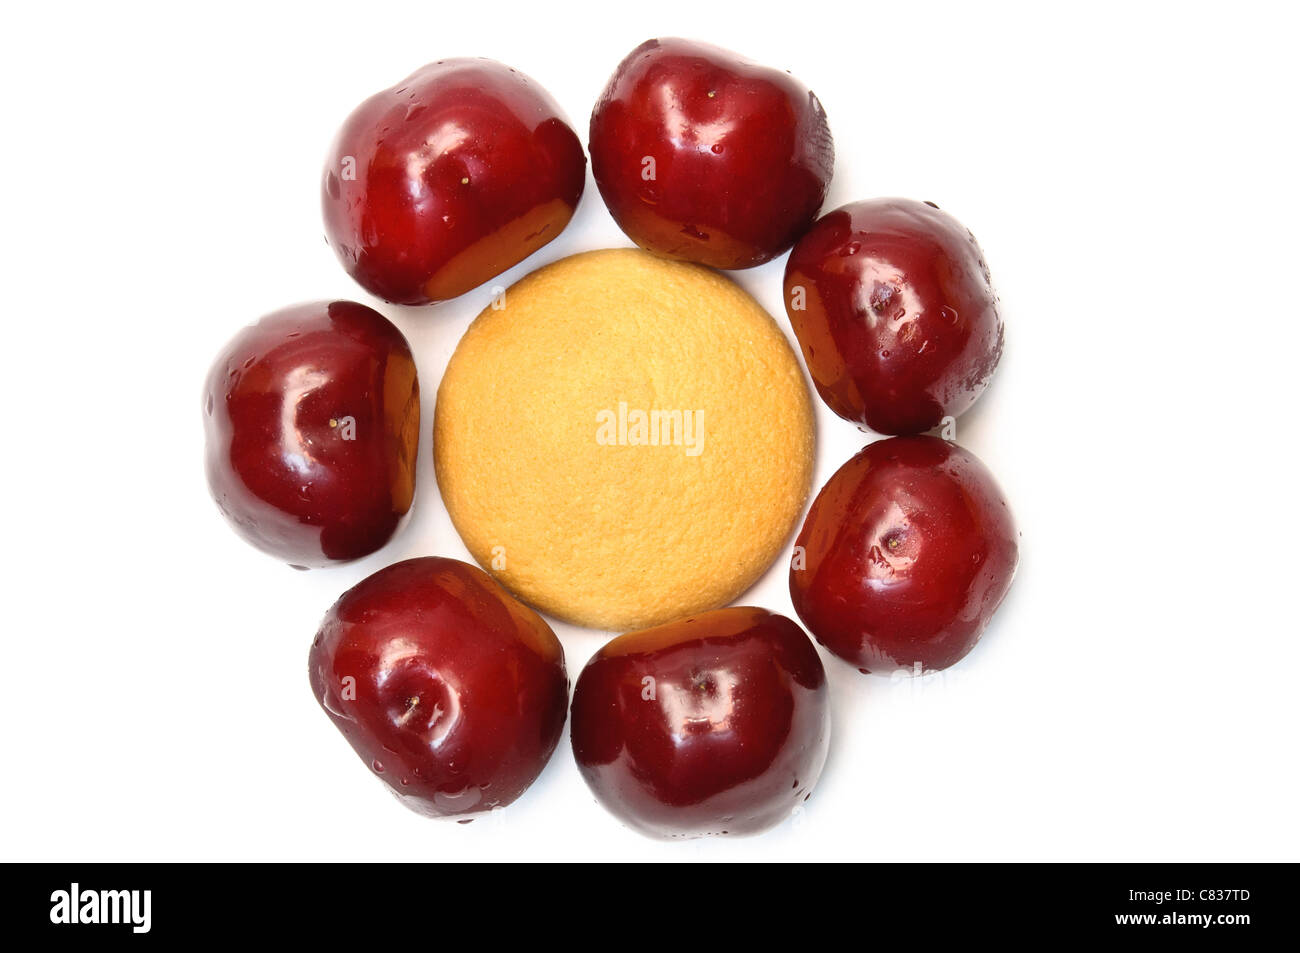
{"points": [[624, 440]]}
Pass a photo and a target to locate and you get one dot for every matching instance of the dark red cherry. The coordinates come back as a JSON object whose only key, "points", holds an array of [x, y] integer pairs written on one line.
{"points": [[891, 302], [449, 690], [905, 555], [717, 724], [312, 418], [704, 156], [447, 179]]}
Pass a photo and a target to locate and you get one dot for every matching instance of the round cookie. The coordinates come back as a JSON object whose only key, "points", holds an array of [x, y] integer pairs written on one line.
{"points": [[624, 440]]}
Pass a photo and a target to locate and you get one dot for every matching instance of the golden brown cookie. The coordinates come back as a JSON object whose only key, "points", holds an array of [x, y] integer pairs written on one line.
{"points": [[624, 440]]}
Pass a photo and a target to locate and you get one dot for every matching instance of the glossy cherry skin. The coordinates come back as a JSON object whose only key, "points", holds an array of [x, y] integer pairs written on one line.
{"points": [[717, 724], [704, 156], [891, 302], [312, 418], [451, 691], [905, 555], [447, 179]]}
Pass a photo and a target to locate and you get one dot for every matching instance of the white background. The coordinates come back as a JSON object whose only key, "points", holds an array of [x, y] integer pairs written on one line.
{"points": [[1130, 170]]}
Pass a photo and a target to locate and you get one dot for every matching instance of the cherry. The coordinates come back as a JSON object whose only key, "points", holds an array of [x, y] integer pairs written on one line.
{"points": [[891, 302], [449, 690], [460, 171], [717, 724], [906, 553], [704, 156], [312, 418]]}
